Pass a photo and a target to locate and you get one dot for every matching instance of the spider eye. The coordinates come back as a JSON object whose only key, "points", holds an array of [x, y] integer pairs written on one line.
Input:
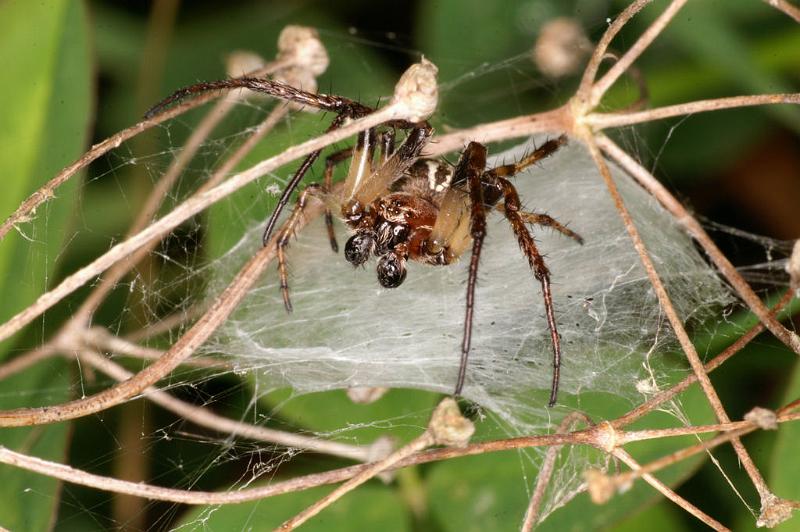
{"points": [[391, 271], [358, 248]]}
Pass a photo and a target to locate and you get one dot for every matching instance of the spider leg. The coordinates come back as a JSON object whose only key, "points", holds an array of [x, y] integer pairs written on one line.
{"points": [[295, 180], [540, 272], [312, 190], [330, 162], [546, 220], [387, 145], [470, 167], [545, 150], [324, 102]]}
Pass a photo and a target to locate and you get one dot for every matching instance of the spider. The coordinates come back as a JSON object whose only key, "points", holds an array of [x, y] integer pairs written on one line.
{"points": [[401, 206]]}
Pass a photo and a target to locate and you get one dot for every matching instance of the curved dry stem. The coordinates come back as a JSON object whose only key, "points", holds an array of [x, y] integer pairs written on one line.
{"points": [[668, 493], [675, 320], [696, 231], [22, 362], [186, 210], [47, 191], [617, 69], [742, 429], [599, 53], [205, 418], [599, 121], [557, 120], [224, 305], [546, 471], [785, 6], [100, 339], [422, 442], [662, 397], [77, 476]]}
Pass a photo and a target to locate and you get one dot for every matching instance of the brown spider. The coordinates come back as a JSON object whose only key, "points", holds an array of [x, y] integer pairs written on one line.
{"points": [[402, 207]]}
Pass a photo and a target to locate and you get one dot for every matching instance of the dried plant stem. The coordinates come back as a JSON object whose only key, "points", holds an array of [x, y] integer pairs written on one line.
{"points": [[256, 135], [668, 493], [599, 52], [785, 6], [599, 121], [186, 210], [734, 430], [591, 436], [151, 206], [546, 471], [205, 418], [627, 59], [77, 476], [167, 323], [180, 351], [696, 231], [675, 320], [102, 340], [655, 434], [47, 191], [651, 404], [522, 126], [22, 362], [372, 470]]}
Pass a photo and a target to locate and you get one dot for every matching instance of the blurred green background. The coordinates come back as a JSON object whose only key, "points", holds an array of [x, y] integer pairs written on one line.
{"points": [[77, 72]]}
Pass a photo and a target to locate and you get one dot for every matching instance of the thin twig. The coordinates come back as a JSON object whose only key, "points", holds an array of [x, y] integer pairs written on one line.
{"points": [[47, 191], [205, 418], [557, 120], [644, 41], [179, 352], [102, 340], [599, 121], [785, 6], [651, 404], [696, 231], [675, 320], [26, 360], [735, 430], [546, 471], [669, 493], [422, 442], [186, 210], [599, 53], [168, 323]]}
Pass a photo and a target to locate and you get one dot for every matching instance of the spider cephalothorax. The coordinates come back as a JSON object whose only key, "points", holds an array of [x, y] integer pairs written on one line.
{"points": [[402, 207]]}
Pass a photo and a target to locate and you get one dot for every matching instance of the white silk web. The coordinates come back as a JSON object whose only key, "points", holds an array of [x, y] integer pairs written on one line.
{"points": [[346, 331]]}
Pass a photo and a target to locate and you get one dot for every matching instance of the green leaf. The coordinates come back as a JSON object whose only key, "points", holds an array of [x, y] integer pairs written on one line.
{"points": [[45, 60], [785, 470], [369, 507], [401, 414], [661, 517], [44, 57], [28, 501]]}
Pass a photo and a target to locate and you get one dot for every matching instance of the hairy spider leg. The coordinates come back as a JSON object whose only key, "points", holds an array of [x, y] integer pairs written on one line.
{"points": [[540, 272], [534, 218], [493, 186], [330, 162], [545, 150], [284, 91], [295, 180], [469, 168], [285, 234]]}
